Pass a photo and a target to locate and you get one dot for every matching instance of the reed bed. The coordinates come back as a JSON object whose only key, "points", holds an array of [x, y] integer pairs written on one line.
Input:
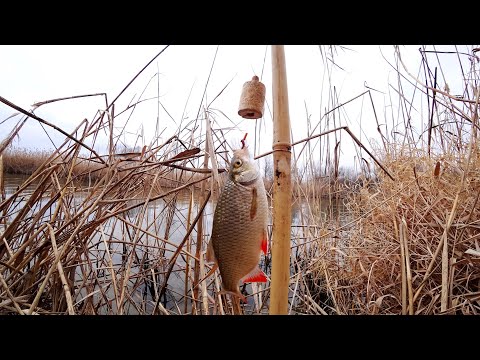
{"points": [[90, 246], [410, 244], [116, 232], [414, 246], [104, 233], [23, 161]]}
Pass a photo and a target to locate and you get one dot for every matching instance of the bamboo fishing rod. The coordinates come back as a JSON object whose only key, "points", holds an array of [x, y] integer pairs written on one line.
{"points": [[282, 186]]}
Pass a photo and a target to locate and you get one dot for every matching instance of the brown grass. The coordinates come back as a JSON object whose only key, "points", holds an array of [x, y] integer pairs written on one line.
{"points": [[96, 233], [395, 252], [23, 161], [410, 245], [93, 233]]}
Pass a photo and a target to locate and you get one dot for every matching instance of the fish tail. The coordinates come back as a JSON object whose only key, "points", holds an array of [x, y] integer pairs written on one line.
{"points": [[256, 275]]}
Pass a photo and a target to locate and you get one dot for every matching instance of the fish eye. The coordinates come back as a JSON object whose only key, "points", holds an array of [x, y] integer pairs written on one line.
{"points": [[237, 163]]}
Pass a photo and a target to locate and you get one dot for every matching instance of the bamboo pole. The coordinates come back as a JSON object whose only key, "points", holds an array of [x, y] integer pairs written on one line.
{"points": [[282, 187]]}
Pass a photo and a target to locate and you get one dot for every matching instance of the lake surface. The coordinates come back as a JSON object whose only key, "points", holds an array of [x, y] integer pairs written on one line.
{"points": [[152, 253]]}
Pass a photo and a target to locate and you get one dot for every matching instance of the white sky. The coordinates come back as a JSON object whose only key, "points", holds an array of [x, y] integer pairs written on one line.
{"points": [[29, 74]]}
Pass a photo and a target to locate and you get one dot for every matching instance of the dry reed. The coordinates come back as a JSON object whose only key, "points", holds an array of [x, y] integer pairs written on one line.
{"points": [[411, 246], [125, 233]]}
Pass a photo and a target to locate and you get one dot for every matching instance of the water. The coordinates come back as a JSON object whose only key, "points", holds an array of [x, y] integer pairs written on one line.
{"points": [[110, 248]]}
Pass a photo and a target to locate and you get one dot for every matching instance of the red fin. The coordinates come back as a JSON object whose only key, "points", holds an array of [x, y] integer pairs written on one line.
{"points": [[265, 243], [256, 275]]}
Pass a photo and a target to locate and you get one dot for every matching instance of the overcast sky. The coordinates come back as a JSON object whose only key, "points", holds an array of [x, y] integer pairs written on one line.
{"points": [[29, 74]]}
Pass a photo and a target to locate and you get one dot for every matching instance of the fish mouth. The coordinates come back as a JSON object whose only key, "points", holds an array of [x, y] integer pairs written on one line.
{"points": [[244, 178]]}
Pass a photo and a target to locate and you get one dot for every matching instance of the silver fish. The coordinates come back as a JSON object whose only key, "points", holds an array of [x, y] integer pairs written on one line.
{"points": [[239, 233]]}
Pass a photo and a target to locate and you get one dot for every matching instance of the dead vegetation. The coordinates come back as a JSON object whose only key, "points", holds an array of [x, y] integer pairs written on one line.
{"points": [[412, 245], [95, 233]]}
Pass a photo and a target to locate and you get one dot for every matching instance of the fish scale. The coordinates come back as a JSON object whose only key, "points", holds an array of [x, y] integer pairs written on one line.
{"points": [[239, 226]]}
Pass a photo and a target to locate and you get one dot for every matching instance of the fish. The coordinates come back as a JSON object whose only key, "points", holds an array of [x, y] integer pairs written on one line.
{"points": [[239, 230]]}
